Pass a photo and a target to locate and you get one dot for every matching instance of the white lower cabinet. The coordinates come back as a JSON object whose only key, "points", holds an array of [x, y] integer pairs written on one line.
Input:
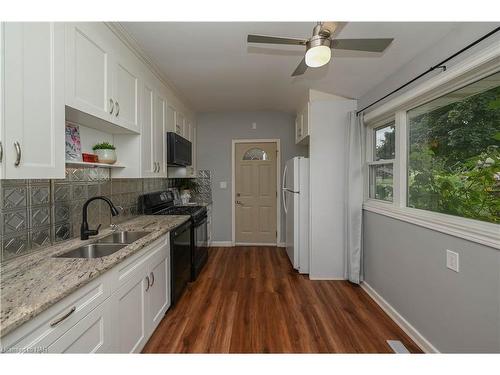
{"points": [[159, 293], [129, 305], [92, 334], [116, 313]]}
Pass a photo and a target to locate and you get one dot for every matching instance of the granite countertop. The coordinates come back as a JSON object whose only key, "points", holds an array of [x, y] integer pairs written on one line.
{"points": [[32, 283]]}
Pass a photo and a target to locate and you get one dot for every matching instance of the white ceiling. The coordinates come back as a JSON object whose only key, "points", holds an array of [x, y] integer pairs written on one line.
{"points": [[212, 65]]}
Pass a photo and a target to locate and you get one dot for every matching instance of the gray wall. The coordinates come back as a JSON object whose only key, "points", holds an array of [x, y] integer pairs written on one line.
{"points": [[462, 35], [406, 265], [214, 135]]}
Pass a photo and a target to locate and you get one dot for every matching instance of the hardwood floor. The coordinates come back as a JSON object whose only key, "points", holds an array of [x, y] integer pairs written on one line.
{"points": [[250, 300]]}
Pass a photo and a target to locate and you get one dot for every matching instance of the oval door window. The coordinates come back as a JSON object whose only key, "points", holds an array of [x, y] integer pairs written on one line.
{"points": [[255, 154]]}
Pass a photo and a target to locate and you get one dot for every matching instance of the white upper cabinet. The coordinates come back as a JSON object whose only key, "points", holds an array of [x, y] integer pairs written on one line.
{"points": [[32, 132], [101, 75], [302, 125], [179, 124], [154, 108], [149, 166], [88, 70], [160, 135], [126, 96]]}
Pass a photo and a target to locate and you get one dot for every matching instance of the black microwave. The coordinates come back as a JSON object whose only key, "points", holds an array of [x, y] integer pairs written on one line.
{"points": [[178, 150]]}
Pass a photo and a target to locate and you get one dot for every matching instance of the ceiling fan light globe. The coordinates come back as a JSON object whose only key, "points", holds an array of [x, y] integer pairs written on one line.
{"points": [[318, 56]]}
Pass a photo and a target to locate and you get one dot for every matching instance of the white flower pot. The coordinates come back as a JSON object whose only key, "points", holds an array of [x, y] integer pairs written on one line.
{"points": [[106, 156]]}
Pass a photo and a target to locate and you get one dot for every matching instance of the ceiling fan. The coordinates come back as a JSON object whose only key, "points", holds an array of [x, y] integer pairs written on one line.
{"points": [[319, 46]]}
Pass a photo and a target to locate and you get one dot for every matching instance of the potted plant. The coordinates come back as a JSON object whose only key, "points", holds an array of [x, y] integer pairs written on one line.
{"points": [[188, 187], [105, 152]]}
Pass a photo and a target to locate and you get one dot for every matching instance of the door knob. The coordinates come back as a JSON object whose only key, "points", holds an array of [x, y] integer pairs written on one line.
{"points": [[238, 194], [239, 202]]}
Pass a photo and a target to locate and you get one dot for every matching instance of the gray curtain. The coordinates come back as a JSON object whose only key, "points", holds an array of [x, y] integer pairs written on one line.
{"points": [[354, 199]]}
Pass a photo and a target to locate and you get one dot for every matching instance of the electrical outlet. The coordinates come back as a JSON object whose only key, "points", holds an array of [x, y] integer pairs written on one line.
{"points": [[223, 185], [254, 125], [452, 260]]}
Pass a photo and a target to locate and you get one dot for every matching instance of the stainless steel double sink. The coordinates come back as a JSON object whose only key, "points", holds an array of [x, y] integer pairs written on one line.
{"points": [[105, 246]]}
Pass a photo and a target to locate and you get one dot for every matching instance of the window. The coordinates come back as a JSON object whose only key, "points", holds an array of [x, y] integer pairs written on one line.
{"points": [[454, 152], [255, 154], [381, 166]]}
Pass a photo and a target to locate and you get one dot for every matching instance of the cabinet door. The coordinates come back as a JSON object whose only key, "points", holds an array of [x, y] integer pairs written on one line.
{"points": [[160, 135], [148, 133], [130, 309], [298, 127], [179, 123], [33, 146], [88, 70], [92, 334], [170, 125], [126, 96], [159, 292], [305, 121]]}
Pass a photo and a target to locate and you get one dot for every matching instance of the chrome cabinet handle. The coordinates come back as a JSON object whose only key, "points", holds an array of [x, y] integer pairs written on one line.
{"points": [[240, 203], [147, 279], [1, 152], [59, 320], [18, 152], [112, 105], [152, 278], [155, 167], [117, 109]]}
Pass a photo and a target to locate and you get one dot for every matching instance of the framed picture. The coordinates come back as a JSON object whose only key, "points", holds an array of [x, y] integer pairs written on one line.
{"points": [[73, 144]]}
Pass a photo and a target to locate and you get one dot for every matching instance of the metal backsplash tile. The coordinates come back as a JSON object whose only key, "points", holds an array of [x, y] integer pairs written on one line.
{"points": [[38, 213]]}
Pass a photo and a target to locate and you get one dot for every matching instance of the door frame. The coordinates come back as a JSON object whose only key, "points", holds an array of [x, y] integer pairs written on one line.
{"points": [[278, 185]]}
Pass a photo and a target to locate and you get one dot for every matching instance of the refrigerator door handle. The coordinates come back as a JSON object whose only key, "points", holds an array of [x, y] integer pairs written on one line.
{"points": [[283, 189]]}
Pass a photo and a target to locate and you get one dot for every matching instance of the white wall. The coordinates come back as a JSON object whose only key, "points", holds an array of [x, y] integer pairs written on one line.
{"points": [[328, 122]]}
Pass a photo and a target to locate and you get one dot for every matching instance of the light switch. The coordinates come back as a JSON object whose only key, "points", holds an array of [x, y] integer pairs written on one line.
{"points": [[223, 184], [452, 260], [254, 125]]}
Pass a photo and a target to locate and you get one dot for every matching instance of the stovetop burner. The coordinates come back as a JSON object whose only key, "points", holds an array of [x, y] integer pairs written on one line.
{"points": [[182, 210], [162, 203]]}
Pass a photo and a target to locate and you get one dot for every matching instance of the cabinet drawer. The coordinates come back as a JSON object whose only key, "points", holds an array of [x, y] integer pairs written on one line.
{"points": [[131, 266], [92, 334], [39, 333]]}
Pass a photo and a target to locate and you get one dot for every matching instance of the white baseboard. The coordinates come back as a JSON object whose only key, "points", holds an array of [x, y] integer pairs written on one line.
{"points": [[326, 278], [231, 244], [254, 244], [411, 331], [221, 244]]}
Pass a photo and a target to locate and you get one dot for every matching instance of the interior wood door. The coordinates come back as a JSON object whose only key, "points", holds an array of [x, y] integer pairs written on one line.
{"points": [[33, 107], [256, 193]]}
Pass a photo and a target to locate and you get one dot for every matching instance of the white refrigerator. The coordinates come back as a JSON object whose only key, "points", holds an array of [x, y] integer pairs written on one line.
{"points": [[295, 198]]}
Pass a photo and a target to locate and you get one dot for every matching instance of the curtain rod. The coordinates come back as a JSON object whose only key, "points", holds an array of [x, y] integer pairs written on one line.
{"points": [[439, 65]]}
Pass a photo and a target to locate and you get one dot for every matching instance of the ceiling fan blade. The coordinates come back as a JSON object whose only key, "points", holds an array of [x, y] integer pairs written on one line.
{"points": [[275, 40], [301, 68], [369, 45]]}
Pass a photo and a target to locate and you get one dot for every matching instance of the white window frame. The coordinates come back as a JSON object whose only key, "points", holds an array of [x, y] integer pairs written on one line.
{"points": [[474, 68], [370, 154]]}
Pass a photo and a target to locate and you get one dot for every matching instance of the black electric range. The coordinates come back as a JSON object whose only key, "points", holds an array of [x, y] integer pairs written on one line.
{"points": [[162, 203]]}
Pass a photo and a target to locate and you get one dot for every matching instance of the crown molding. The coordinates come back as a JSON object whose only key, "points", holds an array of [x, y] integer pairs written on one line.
{"points": [[118, 29]]}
